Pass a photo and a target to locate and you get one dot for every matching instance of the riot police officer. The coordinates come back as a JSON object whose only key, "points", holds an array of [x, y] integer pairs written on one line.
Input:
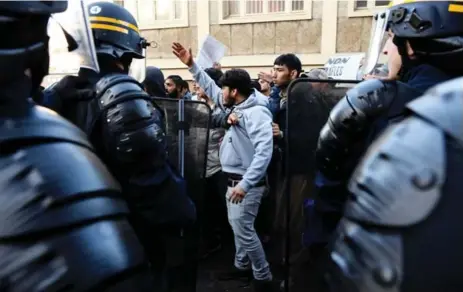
{"points": [[63, 221], [127, 129], [423, 43], [401, 228]]}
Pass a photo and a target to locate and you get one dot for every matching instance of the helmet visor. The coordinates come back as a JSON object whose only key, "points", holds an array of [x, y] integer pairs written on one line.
{"points": [[71, 41], [379, 37], [138, 67]]}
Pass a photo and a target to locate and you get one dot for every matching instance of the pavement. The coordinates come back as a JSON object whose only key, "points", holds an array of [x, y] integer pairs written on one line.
{"points": [[216, 263], [223, 261]]}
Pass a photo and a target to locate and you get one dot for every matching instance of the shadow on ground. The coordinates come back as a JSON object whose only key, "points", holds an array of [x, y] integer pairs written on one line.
{"points": [[214, 265]]}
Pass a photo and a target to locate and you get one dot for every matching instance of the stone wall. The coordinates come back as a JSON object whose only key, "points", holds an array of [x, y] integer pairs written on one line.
{"points": [[301, 37], [353, 33], [165, 37]]}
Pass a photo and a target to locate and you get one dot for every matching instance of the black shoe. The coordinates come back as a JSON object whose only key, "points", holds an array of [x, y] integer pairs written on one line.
{"points": [[235, 274], [266, 286]]}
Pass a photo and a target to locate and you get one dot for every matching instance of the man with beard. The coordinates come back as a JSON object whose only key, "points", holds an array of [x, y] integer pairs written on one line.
{"points": [[214, 223], [245, 153], [154, 82], [63, 219], [174, 86]]}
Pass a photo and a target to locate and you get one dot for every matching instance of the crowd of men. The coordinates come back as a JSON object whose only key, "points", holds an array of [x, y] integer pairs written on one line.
{"points": [[91, 201], [259, 153]]}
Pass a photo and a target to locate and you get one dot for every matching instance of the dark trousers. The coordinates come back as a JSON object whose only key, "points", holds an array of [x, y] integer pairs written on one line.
{"points": [[172, 254], [172, 251], [183, 277], [153, 240], [264, 221], [214, 223]]}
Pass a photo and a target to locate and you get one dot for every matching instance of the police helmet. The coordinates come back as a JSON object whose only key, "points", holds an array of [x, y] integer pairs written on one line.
{"points": [[25, 39], [434, 30], [33, 7], [115, 31]]}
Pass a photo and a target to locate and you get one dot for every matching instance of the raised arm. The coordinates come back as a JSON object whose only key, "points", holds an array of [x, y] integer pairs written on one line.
{"points": [[205, 82]]}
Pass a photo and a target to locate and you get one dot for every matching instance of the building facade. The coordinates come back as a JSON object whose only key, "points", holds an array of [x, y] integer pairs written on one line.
{"points": [[255, 32]]}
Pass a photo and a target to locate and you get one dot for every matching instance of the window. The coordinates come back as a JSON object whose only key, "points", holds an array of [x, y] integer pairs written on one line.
{"points": [[152, 14], [362, 4], [365, 7], [242, 11]]}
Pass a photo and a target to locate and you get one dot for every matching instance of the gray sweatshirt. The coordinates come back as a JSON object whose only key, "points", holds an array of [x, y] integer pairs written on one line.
{"points": [[246, 148]]}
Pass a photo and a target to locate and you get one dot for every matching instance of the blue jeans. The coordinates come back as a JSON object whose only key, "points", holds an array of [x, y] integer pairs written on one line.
{"points": [[249, 250]]}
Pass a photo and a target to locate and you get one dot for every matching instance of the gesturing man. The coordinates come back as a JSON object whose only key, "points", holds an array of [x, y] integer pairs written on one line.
{"points": [[245, 153]]}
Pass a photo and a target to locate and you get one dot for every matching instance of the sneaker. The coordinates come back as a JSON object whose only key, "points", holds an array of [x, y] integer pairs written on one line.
{"points": [[235, 274]]}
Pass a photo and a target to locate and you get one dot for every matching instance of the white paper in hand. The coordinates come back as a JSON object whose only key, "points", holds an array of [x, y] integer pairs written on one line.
{"points": [[211, 51]]}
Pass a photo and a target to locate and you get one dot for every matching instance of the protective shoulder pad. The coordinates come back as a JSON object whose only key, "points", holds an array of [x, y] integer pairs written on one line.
{"points": [[399, 180], [443, 106], [348, 123], [41, 123], [352, 113], [117, 88], [49, 243], [374, 97], [369, 97]]}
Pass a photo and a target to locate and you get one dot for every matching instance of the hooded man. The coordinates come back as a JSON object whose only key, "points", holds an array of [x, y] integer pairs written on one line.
{"points": [[154, 82]]}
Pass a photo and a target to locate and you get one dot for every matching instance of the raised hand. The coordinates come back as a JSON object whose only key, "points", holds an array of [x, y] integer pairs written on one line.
{"points": [[265, 76], [182, 54]]}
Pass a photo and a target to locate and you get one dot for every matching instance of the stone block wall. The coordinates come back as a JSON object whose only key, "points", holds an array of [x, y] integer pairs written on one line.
{"points": [[301, 36], [165, 37], [353, 33]]}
